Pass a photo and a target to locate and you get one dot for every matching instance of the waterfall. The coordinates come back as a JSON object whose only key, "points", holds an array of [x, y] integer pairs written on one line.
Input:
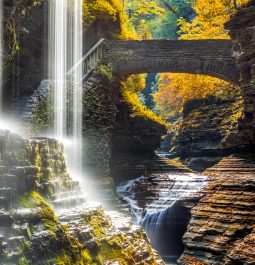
{"points": [[58, 63], [65, 50], [1, 58], [125, 191], [162, 212], [157, 212], [77, 84]]}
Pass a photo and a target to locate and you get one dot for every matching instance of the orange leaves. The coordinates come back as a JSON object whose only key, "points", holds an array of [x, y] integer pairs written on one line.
{"points": [[210, 19], [174, 90], [192, 261]]}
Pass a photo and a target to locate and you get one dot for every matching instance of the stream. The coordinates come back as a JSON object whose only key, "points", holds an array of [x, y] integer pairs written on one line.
{"points": [[164, 215]]}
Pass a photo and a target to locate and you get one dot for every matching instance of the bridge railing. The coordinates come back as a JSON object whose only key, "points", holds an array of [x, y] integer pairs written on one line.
{"points": [[89, 61]]}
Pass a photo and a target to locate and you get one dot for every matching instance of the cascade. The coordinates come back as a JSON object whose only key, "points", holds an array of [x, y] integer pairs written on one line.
{"points": [[156, 213], [77, 84], [159, 217], [58, 63], [65, 50], [1, 58]]}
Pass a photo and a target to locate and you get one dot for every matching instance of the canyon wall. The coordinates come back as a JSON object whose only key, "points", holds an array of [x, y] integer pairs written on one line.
{"points": [[242, 30], [222, 226], [25, 46], [202, 130]]}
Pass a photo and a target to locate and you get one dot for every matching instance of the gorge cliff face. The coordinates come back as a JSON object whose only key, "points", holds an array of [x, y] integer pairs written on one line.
{"points": [[117, 140], [242, 30], [221, 230], [202, 130], [45, 219]]}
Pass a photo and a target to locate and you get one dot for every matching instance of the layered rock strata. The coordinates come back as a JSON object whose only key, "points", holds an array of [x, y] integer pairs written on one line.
{"points": [[204, 125], [221, 230], [33, 180], [242, 30]]}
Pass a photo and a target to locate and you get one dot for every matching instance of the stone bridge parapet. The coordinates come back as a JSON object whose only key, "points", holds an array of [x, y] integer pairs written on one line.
{"points": [[208, 57]]}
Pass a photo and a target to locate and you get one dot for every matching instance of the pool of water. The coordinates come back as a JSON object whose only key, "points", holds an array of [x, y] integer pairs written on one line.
{"points": [[170, 260]]}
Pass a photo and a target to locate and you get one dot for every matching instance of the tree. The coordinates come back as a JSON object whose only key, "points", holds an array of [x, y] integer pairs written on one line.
{"points": [[209, 21], [176, 89]]}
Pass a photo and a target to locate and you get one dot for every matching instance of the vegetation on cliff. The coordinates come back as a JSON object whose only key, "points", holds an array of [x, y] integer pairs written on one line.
{"points": [[109, 10], [130, 91]]}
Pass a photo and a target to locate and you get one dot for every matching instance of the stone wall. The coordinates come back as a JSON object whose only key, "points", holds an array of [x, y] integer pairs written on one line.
{"points": [[99, 102], [209, 57], [242, 30]]}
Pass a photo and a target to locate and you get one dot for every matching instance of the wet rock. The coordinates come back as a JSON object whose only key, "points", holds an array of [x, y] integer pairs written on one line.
{"points": [[221, 230], [6, 219], [203, 128], [242, 30], [31, 230]]}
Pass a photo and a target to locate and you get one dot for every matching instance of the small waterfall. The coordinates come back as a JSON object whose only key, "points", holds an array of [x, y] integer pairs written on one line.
{"points": [[65, 51], [157, 212], [125, 191], [165, 219]]}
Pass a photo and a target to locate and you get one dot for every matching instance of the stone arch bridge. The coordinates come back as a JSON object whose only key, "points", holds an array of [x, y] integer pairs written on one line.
{"points": [[208, 57]]}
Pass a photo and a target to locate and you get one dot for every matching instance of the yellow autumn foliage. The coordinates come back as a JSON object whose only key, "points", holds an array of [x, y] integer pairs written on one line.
{"points": [[130, 96], [176, 89], [108, 10], [210, 20]]}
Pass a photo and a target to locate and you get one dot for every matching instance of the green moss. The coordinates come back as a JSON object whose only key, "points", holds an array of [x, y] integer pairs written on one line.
{"points": [[113, 252], [104, 71], [43, 116], [71, 251], [97, 221], [65, 259], [34, 200], [23, 261]]}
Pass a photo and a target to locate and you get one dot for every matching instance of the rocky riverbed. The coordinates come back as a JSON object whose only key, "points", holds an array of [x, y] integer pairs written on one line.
{"points": [[161, 202], [204, 218], [221, 230]]}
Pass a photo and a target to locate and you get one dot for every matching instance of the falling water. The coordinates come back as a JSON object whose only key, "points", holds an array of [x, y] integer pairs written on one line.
{"points": [[157, 211], [58, 63], [1, 58], [77, 84], [159, 218], [65, 50]]}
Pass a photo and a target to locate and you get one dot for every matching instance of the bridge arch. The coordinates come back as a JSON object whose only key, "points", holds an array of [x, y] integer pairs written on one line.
{"points": [[206, 57]]}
